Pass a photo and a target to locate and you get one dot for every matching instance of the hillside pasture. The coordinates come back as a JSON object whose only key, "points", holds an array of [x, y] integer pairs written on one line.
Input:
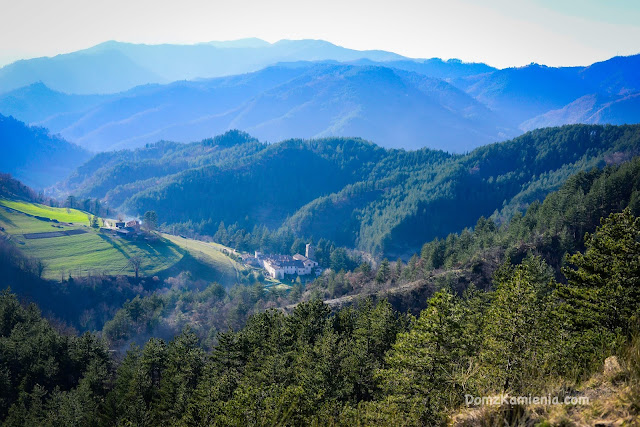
{"points": [[60, 214], [90, 252], [71, 248], [211, 253], [97, 253]]}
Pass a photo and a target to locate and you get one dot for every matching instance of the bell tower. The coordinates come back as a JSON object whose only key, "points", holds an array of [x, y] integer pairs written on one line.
{"points": [[310, 251]]}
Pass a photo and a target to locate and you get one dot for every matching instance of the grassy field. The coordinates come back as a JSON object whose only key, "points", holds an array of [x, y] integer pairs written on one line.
{"points": [[15, 223], [92, 252], [101, 253], [212, 254], [61, 214], [95, 252]]}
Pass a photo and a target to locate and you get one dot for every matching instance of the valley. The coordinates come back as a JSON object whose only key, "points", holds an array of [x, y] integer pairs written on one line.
{"points": [[384, 202], [293, 233]]}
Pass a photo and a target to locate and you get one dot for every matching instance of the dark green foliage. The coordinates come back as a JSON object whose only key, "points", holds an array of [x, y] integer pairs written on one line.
{"points": [[601, 299], [604, 281], [517, 327], [277, 368], [559, 222], [550, 229], [364, 363], [46, 375], [13, 189], [150, 220], [349, 191], [384, 272], [530, 327], [427, 367]]}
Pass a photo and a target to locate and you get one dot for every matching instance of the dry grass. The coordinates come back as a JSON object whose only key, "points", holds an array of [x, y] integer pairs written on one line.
{"points": [[614, 400]]}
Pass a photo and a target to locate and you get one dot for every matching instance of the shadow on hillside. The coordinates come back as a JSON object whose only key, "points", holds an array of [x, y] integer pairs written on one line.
{"points": [[6, 219], [198, 270], [112, 243]]}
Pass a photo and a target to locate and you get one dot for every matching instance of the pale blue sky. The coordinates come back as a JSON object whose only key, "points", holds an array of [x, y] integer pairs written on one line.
{"points": [[499, 32]]}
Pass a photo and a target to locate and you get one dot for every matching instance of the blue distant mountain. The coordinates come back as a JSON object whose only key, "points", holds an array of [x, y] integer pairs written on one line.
{"points": [[114, 66], [36, 157], [315, 89], [394, 108], [522, 94]]}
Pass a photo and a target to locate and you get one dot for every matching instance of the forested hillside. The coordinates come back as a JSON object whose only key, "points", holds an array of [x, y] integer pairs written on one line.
{"points": [[551, 228], [542, 324], [346, 190]]}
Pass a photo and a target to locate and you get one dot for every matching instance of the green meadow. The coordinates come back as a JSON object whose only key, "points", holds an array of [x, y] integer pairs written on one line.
{"points": [[61, 214], [102, 253], [210, 253], [82, 254], [99, 253]]}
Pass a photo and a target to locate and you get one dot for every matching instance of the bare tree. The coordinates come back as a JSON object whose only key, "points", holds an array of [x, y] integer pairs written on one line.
{"points": [[41, 266], [135, 262]]}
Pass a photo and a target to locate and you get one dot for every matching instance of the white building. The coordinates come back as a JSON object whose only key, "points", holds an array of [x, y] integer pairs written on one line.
{"points": [[279, 265]]}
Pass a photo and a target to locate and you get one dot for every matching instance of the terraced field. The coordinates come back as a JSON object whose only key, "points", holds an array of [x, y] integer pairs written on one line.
{"points": [[81, 254]]}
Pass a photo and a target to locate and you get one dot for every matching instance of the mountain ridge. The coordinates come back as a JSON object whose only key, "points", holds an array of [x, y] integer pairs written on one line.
{"points": [[386, 201], [393, 107]]}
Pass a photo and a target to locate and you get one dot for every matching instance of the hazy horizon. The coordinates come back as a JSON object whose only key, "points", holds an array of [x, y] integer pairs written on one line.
{"points": [[498, 33], [2, 64]]}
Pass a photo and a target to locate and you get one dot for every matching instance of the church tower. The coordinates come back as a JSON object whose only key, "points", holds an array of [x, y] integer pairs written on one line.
{"points": [[310, 252]]}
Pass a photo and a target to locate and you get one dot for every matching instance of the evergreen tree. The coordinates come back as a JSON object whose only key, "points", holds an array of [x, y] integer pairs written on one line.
{"points": [[516, 331], [423, 366], [384, 272]]}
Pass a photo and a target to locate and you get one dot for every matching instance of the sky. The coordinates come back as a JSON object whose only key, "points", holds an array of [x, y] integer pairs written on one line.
{"points": [[501, 33]]}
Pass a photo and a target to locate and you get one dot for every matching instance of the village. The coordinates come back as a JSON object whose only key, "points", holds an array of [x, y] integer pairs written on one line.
{"points": [[277, 266]]}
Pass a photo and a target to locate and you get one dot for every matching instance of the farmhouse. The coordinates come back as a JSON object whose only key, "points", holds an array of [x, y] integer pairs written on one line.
{"points": [[128, 230]]}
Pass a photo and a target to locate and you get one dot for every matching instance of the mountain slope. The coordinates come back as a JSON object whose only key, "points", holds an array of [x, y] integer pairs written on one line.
{"points": [[448, 70], [592, 109], [347, 190], [34, 156], [395, 102], [36, 103], [616, 76], [521, 94], [83, 72]]}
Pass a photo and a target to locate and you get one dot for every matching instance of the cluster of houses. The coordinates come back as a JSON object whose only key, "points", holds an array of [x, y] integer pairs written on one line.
{"points": [[277, 266], [128, 230]]}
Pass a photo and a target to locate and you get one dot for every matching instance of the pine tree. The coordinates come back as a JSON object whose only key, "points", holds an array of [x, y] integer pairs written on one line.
{"points": [[423, 364], [516, 333], [604, 282], [384, 272]]}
